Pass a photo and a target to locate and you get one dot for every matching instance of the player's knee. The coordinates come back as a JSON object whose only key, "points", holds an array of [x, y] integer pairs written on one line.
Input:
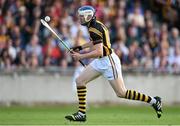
{"points": [[120, 94], [80, 82]]}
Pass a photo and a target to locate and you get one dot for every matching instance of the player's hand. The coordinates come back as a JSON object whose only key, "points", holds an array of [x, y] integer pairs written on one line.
{"points": [[76, 48], [76, 56]]}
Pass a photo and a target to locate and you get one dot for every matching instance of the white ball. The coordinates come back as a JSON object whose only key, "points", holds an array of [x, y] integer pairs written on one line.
{"points": [[47, 18]]}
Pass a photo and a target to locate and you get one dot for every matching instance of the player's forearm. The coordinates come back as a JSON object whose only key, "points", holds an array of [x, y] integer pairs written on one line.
{"points": [[87, 45], [93, 54], [81, 47]]}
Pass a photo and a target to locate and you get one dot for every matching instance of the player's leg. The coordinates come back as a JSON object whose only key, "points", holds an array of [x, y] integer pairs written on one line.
{"points": [[118, 86], [87, 75], [115, 78], [77, 72], [122, 92]]}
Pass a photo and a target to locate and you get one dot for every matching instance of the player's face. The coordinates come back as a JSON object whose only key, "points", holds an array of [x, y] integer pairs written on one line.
{"points": [[81, 19]]}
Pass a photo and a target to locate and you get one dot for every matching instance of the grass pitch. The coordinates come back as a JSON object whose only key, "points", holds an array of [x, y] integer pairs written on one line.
{"points": [[97, 115]]}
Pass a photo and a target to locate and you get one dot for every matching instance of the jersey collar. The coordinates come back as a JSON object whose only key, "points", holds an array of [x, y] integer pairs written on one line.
{"points": [[93, 21]]}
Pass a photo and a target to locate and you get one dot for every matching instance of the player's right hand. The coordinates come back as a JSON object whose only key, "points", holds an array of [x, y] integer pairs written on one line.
{"points": [[76, 56]]}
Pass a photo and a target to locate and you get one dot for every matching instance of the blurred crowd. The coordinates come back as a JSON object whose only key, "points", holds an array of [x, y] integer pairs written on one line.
{"points": [[144, 33]]}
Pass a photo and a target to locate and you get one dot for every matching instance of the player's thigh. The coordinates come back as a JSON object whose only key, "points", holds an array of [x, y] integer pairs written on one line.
{"points": [[114, 74], [118, 86], [87, 75]]}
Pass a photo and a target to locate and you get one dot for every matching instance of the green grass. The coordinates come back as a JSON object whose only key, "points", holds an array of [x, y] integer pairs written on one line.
{"points": [[97, 115]]}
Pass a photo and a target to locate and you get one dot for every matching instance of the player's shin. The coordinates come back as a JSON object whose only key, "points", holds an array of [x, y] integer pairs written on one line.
{"points": [[134, 95], [81, 91]]}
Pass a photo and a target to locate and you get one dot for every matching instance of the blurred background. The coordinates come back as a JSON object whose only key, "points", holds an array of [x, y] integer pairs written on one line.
{"points": [[144, 34]]}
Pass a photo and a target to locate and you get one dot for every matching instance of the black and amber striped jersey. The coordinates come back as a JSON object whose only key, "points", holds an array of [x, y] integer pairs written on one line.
{"points": [[98, 31]]}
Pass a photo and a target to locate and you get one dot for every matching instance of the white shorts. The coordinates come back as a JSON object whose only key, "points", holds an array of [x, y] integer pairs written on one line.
{"points": [[108, 66]]}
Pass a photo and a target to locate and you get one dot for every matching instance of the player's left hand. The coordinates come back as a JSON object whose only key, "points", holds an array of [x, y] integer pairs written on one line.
{"points": [[76, 48], [76, 56]]}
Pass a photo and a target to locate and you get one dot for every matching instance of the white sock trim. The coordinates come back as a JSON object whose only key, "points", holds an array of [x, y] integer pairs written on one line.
{"points": [[80, 113], [153, 100]]}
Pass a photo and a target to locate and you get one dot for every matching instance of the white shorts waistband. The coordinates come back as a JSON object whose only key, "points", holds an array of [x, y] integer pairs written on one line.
{"points": [[105, 57]]}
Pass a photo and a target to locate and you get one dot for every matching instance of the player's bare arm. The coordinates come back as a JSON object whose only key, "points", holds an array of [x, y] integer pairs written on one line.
{"points": [[86, 45], [96, 52]]}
